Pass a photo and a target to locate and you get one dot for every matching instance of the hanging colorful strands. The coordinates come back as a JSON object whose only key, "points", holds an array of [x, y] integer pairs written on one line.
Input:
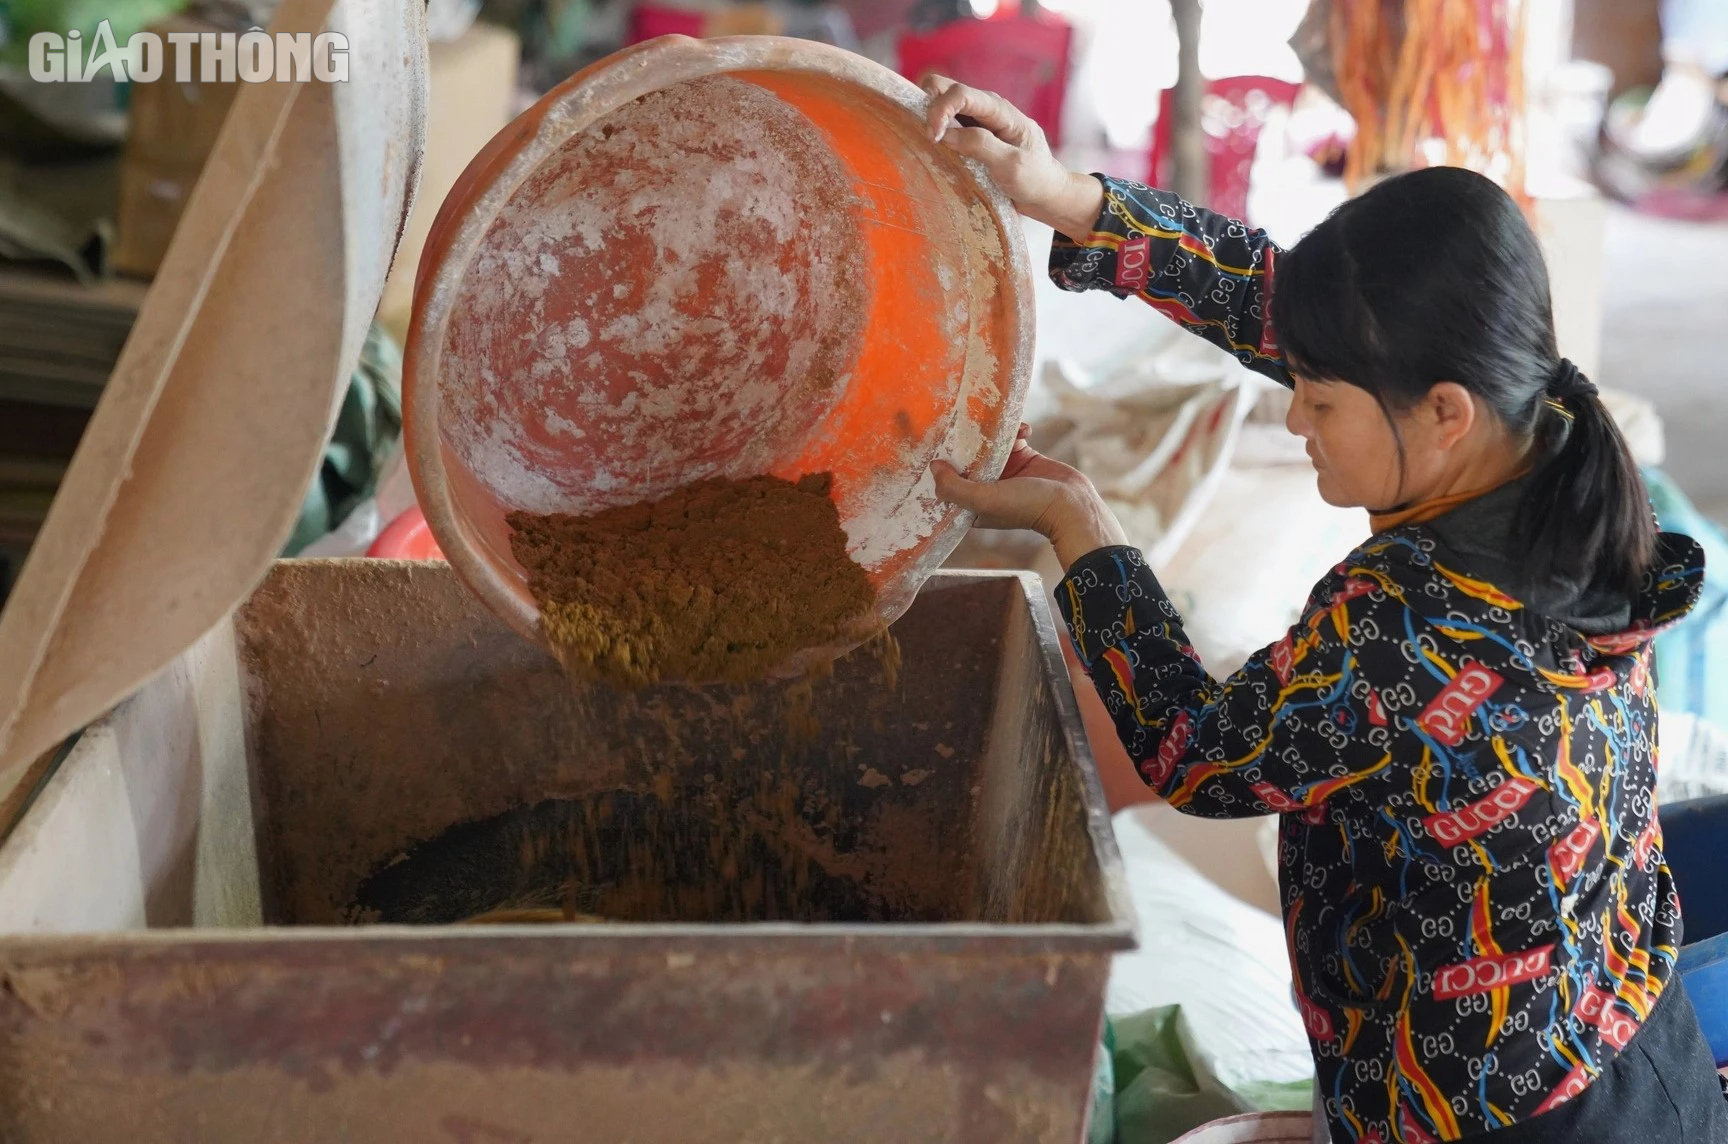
{"points": [[1432, 82]]}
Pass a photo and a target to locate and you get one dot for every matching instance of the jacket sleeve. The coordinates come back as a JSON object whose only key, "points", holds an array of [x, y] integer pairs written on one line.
{"points": [[1211, 274], [1294, 727]]}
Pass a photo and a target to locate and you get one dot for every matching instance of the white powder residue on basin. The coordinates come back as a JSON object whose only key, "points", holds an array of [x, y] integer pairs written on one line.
{"points": [[893, 515], [670, 295]]}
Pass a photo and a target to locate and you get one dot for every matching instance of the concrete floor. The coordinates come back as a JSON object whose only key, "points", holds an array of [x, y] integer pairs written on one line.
{"points": [[1665, 337]]}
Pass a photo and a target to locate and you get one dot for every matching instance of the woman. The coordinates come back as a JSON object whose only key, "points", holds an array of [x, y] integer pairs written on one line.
{"points": [[1460, 731]]}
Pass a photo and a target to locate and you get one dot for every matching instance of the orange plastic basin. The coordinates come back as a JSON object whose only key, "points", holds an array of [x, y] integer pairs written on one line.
{"points": [[715, 258]]}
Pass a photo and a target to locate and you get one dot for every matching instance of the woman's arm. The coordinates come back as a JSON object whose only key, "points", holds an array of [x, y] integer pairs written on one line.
{"points": [[1208, 273], [1211, 274], [1285, 733]]}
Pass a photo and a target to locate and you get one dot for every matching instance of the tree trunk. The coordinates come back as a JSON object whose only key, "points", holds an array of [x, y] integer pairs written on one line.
{"points": [[1188, 162]]}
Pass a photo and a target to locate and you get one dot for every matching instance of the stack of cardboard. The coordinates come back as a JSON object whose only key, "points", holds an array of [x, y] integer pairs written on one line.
{"points": [[58, 343], [59, 340], [36, 443], [27, 487]]}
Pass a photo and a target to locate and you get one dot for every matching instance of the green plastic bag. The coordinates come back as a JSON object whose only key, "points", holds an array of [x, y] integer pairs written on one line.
{"points": [[1102, 1127], [1159, 1093], [367, 428], [1162, 1089]]}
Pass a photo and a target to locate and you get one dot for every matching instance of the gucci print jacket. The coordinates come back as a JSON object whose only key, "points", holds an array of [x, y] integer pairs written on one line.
{"points": [[1478, 911]]}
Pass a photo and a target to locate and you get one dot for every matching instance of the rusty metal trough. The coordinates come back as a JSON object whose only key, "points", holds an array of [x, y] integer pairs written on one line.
{"points": [[192, 903]]}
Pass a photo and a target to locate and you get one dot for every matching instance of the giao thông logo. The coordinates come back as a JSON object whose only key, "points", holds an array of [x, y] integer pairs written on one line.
{"points": [[254, 56]]}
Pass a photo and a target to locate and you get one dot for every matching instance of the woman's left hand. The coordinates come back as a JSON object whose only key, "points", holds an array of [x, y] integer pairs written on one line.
{"points": [[1039, 494]]}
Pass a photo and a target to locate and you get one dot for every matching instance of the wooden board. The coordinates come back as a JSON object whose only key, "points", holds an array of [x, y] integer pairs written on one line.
{"points": [[192, 471]]}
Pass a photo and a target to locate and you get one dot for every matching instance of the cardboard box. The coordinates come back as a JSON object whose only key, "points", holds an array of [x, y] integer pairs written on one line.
{"points": [[473, 97], [152, 198], [173, 127]]}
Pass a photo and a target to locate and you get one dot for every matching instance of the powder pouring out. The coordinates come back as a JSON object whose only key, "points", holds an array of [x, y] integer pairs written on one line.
{"points": [[719, 581]]}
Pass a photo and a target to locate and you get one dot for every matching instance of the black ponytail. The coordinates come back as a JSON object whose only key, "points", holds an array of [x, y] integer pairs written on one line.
{"points": [[1587, 509], [1436, 276]]}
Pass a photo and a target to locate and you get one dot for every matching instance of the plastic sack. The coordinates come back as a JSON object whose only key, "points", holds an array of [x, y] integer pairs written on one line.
{"points": [[1692, 657], [1205, 949], [34, 228], [1155, 450], [1163, 1091], [1694, 761]]}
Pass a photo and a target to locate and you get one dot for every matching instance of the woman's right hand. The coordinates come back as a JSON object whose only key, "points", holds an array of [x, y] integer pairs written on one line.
{"points": [[1036, 493], [1011, 146]]}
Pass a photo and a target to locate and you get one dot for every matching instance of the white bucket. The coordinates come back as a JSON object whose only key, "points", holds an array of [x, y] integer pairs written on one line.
{"points": [[1255, 1128]]}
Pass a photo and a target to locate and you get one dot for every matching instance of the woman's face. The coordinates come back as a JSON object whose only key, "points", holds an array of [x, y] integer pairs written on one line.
{"points": [[1355, 451]]}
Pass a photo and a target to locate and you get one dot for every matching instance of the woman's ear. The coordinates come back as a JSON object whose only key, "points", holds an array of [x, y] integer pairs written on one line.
{"points": [[1453, 410]]}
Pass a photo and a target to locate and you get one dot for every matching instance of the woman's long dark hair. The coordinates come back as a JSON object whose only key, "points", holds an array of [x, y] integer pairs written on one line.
{"points": [[1436, 276]]}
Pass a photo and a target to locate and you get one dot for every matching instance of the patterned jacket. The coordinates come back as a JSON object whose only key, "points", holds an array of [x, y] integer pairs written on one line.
{"points": [[1477, 907]]}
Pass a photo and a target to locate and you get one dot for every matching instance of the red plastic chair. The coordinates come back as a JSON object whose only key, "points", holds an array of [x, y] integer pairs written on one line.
{"points": [[1022, 58], [1234, 112], [650, 20], [406, 538]]}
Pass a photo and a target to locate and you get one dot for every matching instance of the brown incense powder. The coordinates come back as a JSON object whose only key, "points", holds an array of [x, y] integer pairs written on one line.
{"points": [[720, 581]]}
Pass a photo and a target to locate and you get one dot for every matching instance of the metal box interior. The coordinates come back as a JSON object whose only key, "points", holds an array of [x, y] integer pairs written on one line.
{"points": [[876, 907]]}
